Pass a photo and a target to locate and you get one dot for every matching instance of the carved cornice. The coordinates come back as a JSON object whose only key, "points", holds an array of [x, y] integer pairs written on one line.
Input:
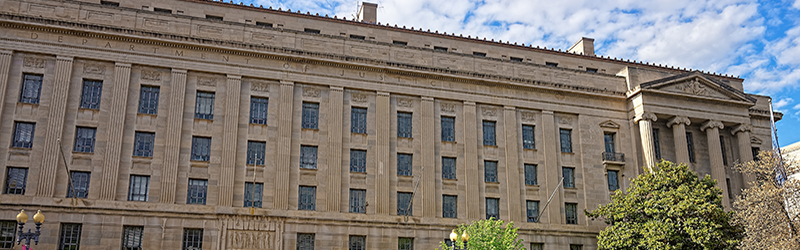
{"points": [[742, 128], [679, 120], [712, 124], [645, 116]]}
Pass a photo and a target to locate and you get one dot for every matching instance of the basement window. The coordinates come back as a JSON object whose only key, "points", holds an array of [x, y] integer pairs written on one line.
{"points": [[481, 54], [592, 70], [358, 37], [215, 18], [160, 10], [551, 64], [516, 59], [442, 49], [313, 31], [109, 3], [401, 43], [263, 24]]}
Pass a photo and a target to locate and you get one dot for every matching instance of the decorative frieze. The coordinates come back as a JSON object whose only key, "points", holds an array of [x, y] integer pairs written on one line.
{"points": [[447, 107], [694, 87], [94, 68], [490, 112], [151, 75], [564, 120], [259, 87], [405, 102], [206, 81], [311, 92], [358, 97], [32, 62]]}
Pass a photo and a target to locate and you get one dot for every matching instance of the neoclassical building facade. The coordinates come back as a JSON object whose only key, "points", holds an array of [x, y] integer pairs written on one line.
{"points": [[193, 124]]}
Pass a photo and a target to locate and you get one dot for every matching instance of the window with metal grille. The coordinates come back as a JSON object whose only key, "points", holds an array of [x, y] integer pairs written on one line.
{"points": [[192, 238], [490, 171], [90, 97], [308, 157], [569, 177], [722, 148], [196, 193], [70, 236], [755, 151], [656, 143], [132, 237], [23, 134], [532, 208], [405, 164], [215, 18], [143, 144], [613, 182], [449, 206], [138, 189], [566, 140], [442, 49], [201, 148], [575, 247], [258, 110], [528, 141], [255, 152], [358, 199], [358, 120], [253, 194], [405, 243], [448, 128], [531, 176], [358, 242], [15, 180], [690, 146], [84, 139], [308, 198], [148, 100], [204, 105], [403, 202], [492, 208], [609, 142], [537, 246], [310, 115], [448, 168], [8, 229], [404, 125], [80, 180], [489, 133], [571, 211], [358, 160], [305, 241], [31, 88]]}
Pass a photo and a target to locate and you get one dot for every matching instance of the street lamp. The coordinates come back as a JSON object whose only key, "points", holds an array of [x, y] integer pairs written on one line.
{"points": [[454, 237], [38, 218]]}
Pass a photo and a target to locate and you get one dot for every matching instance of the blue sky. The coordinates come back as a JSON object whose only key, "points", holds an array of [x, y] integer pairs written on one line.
{"points": [[756, 40]]}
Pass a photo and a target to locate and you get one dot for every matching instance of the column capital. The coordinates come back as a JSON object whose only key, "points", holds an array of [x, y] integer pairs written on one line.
{"points": [[712, 124], [337, 89], [744, 127], [645, 116], [679, 120], [234, 76], [383, 93], [6, 52], [469, 103], [64, 58], [509, 108], [178, 71], [290, 83], [425, 98], [122, 65]]}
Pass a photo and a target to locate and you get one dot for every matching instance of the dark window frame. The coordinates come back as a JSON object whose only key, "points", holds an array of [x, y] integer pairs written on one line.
{"points": [[259, 110], [358, 120], [85, 139], [565, 138], [613, 180], [144, 143], [449, 168], [490, 171], [70, 236], [148, 99], [17, 181], [405, 164], [492, 208], [31, 89], [80, 180], [8, 233], [192, 238], [201, 149], [489, 133], [571, 213], [449, 206], [531, 174], [569, 176], [24, 133], [532, 210], [256, 153], [308, 157], [403, 201], [197, 191], [405, 124], [137, 191], [307, 198], [528, 136], [91, 94], [358, 201], [132, 237], [253, 195], [310, 115], [357, 242], [358, 160], [204, 105], [448, 126]]}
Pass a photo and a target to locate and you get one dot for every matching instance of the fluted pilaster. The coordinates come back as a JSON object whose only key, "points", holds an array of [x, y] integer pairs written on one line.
{"points": [[5, 66], [645, 121], [470, 172], [116, 126], [382, 153], [284, 147], [334, 171], [230, 126], [715, 157], [513, 190], [172, 136], [551, 168], [678, 125], [51, 154], [742, 133], [428, 158]]}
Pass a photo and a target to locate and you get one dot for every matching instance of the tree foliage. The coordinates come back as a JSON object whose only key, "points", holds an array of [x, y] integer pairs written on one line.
{"points": [[670, 208], [487, 234], [765, 208]]}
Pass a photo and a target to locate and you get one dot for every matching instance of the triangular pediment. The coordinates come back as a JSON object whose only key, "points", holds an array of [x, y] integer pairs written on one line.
{"points": [[698, 85], [609, 124]]}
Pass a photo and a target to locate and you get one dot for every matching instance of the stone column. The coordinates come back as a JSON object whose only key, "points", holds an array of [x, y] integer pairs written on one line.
{"points": [[5, 66], [283, 156], [334, 171], [116, 126], [645, 121], [678, 125], [742, 133], [51, 155], [428, 129], [715, 157], [382, 153], [552, 169], [513, 191], [230, 125], [470, 173], [172, 136]]}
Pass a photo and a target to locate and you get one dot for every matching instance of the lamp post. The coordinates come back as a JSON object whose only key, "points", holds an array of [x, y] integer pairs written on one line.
{"points": [[38, 218], [454, 237]]}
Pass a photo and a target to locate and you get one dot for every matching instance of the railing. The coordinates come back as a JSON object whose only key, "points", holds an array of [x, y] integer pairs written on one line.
{"points": [[612, 156]]}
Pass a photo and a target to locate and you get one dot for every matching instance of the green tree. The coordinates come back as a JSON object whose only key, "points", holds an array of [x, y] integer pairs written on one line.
{"points": [[669, 208], [487, 234]]}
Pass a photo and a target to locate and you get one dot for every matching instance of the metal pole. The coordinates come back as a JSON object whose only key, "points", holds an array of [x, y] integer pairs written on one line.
{"points": [[413, 193], [549, 199]]}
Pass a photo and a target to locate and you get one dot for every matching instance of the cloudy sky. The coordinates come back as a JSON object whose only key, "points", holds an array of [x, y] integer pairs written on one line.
{"points": [[757, 40]]}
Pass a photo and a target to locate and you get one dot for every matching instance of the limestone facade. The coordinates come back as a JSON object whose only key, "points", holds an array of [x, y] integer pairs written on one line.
{"points": [[238, 53]]}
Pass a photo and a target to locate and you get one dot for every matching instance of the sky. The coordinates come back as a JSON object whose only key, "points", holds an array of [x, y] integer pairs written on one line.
{"points": [[755, 40]]}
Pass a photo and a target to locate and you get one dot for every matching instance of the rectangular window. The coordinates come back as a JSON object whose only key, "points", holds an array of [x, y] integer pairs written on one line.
{"points": [[448, 168], [358, 201], [480, 54], [132, 237], [308, 157], [204, 106], [566, 140], [450, 206], [308, 198], [16, 179], [571, 210], [196, 193], [492, 208], [139, 188], [263, 24], [109, 3], [569, 177], [310, 115], [84, 139], [489, 137], [755, 151], [305, 241], [448, 128], [358, 161], [80, 180], [403, 204], [551, 64], [490, 171], [404, 126], [70, 236], [160, 10], [90, 97], [31, 88], [516, 59], [609, 142], [613, 180], [531, 176], [253, 194], [143, 144], [255, 152], [690, 146], [312, 31], [404, 164], [8, 230], [357, 37], [258, 110], [405, 243], [728, 183], [148, 100], [528, 141], [357, 242], [23, 134], [358, 120], [656, 143], [201, 148], [537, 246], [401, 43], [215, 18], [532, 208], [440, 49], [591, 70], [192, 238], [575, 247], [722, 148]]}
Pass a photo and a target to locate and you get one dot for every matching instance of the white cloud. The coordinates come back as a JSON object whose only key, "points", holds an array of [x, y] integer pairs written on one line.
{"points": [[796, 4], [782, 103]]}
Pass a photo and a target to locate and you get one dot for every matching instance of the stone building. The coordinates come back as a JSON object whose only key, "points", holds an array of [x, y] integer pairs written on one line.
{"points": [[175, 117]]}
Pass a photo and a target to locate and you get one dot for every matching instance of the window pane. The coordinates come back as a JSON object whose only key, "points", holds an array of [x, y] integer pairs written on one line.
{"points": [[448, 128], [84, 139], [532, 208], [490, 171], [403, 202], [90, 97], [8, 231], [656, 143], [358, 161], [448, 168], [358, 198], [690, 145], [566, 140], [143, 144], [80, 180], [358, 120], [310, 115], [201, 148], [132, 237], [148, 100], [31, 87], [609, 141], [139, 187], [305, 241], [196, 193], [405, 243], [255, 152], [571, 210], [404, 164], [308, 198], [450, 206], [404, 125], [358, 242], [15, 180], [258, 110], [251, 200], [204, 106], [489, 133], [722, 147], [613, 184], [70, 236], [527, 137], [492, 208], [23, 135], [537, 246], [192, 238], [575, 247], [530, 174], [569, 177], [308, 157]]}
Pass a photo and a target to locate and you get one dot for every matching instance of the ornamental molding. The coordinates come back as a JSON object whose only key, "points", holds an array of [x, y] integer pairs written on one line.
{"points": [[755, 140], [742, 128], [679, 120], [528, 116], [251, 233], [694, 87], [645, 116], [447, 107], [94, 68], [609, 124], [405, 102], [358, 97], [712, 124], [32, 62], [565, 120], [259, 86], [151, 75], [311, 92], [491, 112], [206, 81]]}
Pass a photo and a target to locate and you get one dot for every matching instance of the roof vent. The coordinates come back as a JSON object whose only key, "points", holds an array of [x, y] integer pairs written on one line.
{"points": [[584, 46], [368, 12]]}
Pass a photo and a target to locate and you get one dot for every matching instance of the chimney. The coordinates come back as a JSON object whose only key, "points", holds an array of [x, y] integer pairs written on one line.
{"points": [[368, 12], [584, 46]]}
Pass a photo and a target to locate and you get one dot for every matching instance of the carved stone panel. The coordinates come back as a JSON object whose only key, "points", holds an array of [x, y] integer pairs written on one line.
{"points": [[94, 68], [250, 240], [32, 62], [251, 233], [151, 75], [358, 97], [528, 116]]}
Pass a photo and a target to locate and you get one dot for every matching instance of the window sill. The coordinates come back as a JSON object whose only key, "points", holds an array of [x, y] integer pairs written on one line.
{"points": [[89, 109], [204, 119], [308, 169], [358, 173], [492, 182], [82, 155], [532, 185], [141, 159], [28, 103], [358, 133], [310, 129], [257, 124], [530, 149], [567, 153], [450, 142], [490, 146], [145, 114], [19, 150], [198, 164]]}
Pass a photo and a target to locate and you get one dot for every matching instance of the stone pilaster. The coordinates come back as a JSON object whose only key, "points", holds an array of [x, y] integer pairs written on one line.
{"points": [[230, 126], [334, 171], [470, 173], [284, 147], [513, 189], [382, 153], [116, 126], [678, 125], [5, 66], [715, 157], [51, 155], [552, 169], [428, 158], [645, 121], [172, 136], [742, 133]]}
